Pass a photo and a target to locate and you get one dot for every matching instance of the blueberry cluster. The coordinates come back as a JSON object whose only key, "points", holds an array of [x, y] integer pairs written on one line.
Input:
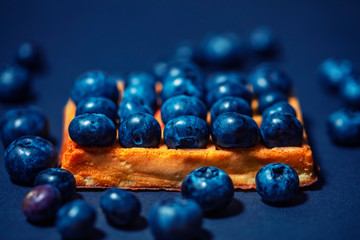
{"points": [[339, 77]]}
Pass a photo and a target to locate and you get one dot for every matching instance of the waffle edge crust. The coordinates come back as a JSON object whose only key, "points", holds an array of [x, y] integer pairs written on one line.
{"points": [[164, 169]]}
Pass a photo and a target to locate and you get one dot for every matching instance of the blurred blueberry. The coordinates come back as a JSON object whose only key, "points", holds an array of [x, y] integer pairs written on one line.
{"points": [[279, 107], [14, 83], [27, 156], [270, 98], [266, 78], [333, 70], [234, 130], [185, 51], [177, 219], [75, 220], [139, 130], [99, 105], [211, 187], [350, 90], [186, 132], [41, 203], [230, 104], [144, 94], [180, 86], [62, 179], [160, 69], [182, 105], [91, 129], [128, 107], [223, 49], [21, 122], [281, 130], [277, 182], [343, 127], [263, 41], [94, 84], [219, 78], [227, 89], [119, 206], [141, 78], [29, 56]]}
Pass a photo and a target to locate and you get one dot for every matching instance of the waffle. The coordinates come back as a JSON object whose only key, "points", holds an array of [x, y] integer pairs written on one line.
{"points": [[163, 168]]}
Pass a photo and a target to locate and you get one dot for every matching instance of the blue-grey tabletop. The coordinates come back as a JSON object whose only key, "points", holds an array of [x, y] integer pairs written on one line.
{"points": [[123, 36]]}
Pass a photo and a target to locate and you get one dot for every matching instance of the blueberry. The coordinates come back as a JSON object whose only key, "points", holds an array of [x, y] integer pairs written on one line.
{"points": [[99, 105], [75, 220], [27, 156], [120, 207], [270, 98], [228, 89], [94, 84], [175, 219], [266, 78], [230, 104], [185, 51], [263, 41], [279, 107], [14, 83], [62, 179], [91, 129], [343, 127], [277, 182], [141, 78], [129, 107], [186, 132], [332, 71], [180, 86], [160, 69], [29, 55], [223, 49], [140, 130], [219, 78], [233, 130], [281, 130], [143, 93], [350, 90], [182, 105], [23, 121], [41, 203], [211, 187]]}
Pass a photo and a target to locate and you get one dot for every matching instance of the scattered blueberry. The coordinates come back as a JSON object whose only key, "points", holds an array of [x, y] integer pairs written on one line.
{"points": [[99, 105], [211, 187], [277, 182], [29, 55], [230, 104], [14, 83], [41, 203], [182, 105], [119, 206], [266, 78], [268, 99], [228, 89], [263, 41], [177, 219], [186, 132], [75, 220], [219, 78], [62, 179], [23, 121], [94, 84], [27, 156], [139, 130], [332, 71], [279, 107], [141, 78], [185, 51], [144, 94], [344, 127], [281, 130], [350, 90], [135, 105], [91, 129], [233, 130], [180, 86], [160, 69]]}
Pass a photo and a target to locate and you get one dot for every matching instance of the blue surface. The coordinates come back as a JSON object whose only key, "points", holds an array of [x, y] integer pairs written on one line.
{"points": [[123, 36]]}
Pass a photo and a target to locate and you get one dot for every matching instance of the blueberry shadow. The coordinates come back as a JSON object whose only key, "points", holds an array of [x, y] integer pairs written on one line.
{"points": [[95, 234], [29, 97], [300, 198], [75, 196], [203, 234], [43, 224], [234, 208], [139, 224]]}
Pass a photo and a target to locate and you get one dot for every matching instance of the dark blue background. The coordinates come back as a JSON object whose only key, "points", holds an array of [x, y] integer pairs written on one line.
{"points": [[129, 35]]}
